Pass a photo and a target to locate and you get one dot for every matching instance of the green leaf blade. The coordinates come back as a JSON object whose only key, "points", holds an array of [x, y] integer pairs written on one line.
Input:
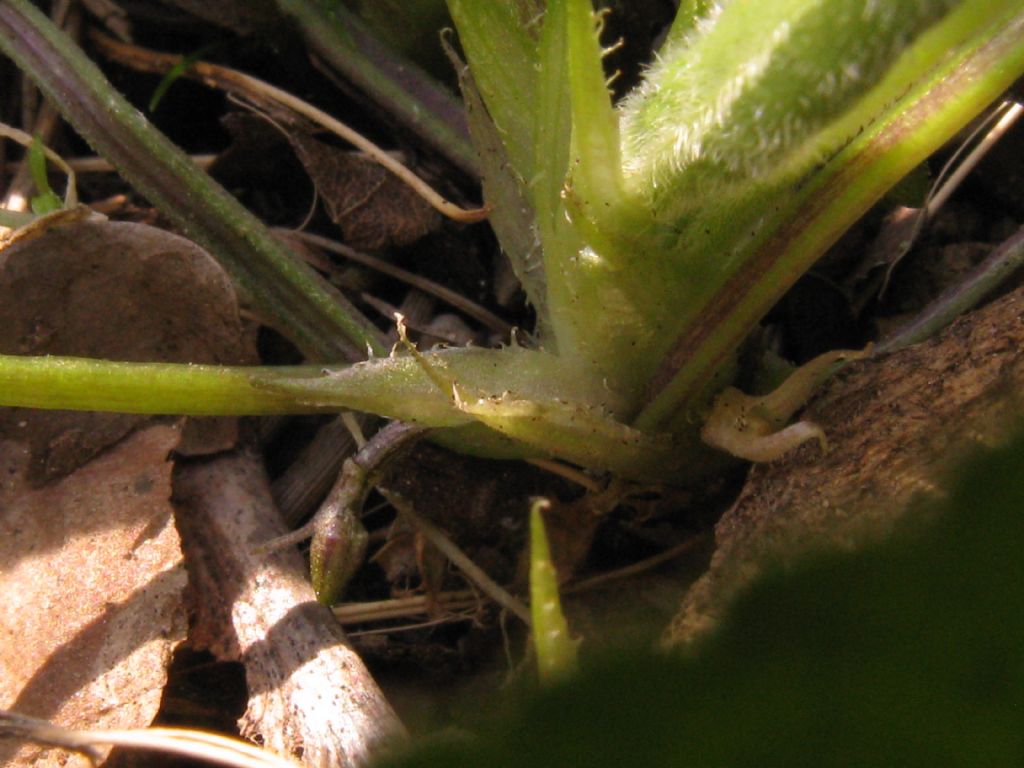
{"points": [[500, 41], [754, 83], [758, 244]]}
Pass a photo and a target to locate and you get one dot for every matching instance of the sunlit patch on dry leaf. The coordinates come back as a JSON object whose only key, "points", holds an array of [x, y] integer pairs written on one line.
{"points": [[90, 570]]}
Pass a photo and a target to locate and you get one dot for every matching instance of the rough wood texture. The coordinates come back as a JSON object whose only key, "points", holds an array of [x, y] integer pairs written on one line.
{"points": [[894, 423], [310, 696]]}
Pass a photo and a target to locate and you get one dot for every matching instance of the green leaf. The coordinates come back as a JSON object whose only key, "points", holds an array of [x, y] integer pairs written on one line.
{"points": [[71, 383], [688, 15], [520, 124], [500, 42], [596, 166], [766, 231], [748, 88], [512, 216], [531, 399]]}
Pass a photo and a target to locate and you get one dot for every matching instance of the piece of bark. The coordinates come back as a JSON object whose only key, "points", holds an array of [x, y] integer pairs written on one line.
{"points": [[894, 424], [310, 696]]}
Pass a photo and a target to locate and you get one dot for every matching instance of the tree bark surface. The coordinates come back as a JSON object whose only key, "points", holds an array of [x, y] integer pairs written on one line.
{"points": [[895, 425]]}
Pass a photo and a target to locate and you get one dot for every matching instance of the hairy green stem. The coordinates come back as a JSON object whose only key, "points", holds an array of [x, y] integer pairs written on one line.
{"points": [[286, 293], [973, 77]]}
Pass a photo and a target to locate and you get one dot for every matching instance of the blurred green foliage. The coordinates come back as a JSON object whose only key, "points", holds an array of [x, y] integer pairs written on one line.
{"points": [[910, 653]]}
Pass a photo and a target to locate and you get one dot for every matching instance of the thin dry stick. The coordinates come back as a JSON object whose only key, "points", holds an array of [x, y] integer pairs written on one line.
{"points": [[570, 473], [953, 174], [427, 286], [262, 92], [1007, 113], [446, 619], [447, 547], [307, 687], [112, 16], [95, 164]]}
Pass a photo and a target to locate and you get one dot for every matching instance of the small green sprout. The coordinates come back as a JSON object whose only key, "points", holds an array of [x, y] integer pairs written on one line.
{"points": [[555, 649], [175, 73], [46, 201]]}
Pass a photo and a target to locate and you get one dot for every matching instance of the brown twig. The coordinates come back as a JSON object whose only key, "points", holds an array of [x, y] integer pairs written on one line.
{"points": [[310, 694]]}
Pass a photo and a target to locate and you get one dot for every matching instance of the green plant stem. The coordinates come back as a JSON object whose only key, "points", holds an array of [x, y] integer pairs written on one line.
{"points": [[399, 88], [159, 388], [977, 73], [286, 293]]}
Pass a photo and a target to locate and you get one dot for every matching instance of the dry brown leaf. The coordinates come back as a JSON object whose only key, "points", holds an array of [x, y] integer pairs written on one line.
{"points": [[90, 570], [371, 206], [116, 291], [130, 292], [259, 157]]}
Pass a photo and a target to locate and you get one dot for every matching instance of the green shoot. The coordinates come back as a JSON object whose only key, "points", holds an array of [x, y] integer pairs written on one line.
{"points": [[176, 72], [555, 649], [47, 201]]}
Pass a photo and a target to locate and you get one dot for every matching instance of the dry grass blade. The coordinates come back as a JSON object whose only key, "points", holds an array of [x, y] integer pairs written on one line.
{"points": [[991, 130], [436, 536], [198, 745], [405, 607]]}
